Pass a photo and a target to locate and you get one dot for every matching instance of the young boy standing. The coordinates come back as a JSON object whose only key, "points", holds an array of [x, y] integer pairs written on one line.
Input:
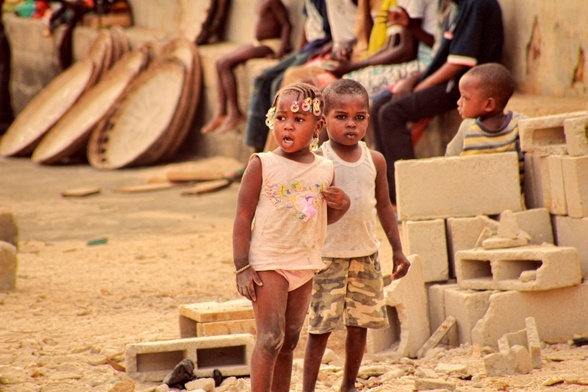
{"points": [[349, 290]]}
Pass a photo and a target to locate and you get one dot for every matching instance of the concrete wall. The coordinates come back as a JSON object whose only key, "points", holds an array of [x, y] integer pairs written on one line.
{"points": [[546, 46]]}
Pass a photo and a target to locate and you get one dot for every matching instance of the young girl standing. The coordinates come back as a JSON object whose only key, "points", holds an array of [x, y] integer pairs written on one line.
{"points": [[289, 192]]}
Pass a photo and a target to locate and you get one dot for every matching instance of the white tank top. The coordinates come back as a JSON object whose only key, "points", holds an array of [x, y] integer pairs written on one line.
{"points": [[354, 234], [290, 222]]}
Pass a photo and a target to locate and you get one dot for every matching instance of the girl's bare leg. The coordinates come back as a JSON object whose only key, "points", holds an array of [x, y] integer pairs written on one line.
{"points": [[270, 321], [298, 302]]}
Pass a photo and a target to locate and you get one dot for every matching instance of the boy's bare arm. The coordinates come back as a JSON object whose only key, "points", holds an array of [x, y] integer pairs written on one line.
{"points": [[388, 218]]}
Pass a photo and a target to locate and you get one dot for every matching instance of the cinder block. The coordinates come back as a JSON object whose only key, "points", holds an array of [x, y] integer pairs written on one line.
{"points": [[537, 223], [406, 303], [436, 303], [529, 268], [445, 188], [560, 314], [427, 239], [463, 233], [535, 195], [226, 327], [575, 174], [573, 232], [206, 318], [557, 201], [545, 135], [152, 361], [8, 264], [8, 227], [468, 307], [576, 133]]}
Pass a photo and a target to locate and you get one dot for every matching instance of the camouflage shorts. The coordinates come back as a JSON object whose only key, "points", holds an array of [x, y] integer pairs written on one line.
{"points": [[348, 292]]}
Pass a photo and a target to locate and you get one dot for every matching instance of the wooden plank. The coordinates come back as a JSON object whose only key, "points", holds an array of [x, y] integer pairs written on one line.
{"points": [[146, 187], [207, 186]]}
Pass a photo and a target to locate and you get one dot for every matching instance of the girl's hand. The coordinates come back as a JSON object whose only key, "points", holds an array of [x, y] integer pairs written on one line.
{"points": [[245, 283], [336, 198]]}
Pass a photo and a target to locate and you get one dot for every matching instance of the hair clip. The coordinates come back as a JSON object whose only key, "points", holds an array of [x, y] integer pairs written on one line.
{"points": [[316, 107], [270, 116], [307, 105], [294, 108]]}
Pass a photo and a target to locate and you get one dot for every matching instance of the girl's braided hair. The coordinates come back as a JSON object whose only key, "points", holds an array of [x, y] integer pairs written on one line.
{"points": [[310, 99]]}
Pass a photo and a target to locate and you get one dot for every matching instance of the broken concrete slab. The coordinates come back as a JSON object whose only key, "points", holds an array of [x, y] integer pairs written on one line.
{"points": [[406, 302], [560, 314], [576, 133], [468, 307], [437, 336]]}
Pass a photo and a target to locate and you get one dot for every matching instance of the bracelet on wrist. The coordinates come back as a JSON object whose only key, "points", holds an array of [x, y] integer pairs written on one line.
{"points": [[237, 272]]}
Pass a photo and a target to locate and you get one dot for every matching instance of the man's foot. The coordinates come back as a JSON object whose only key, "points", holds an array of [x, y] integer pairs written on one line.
{"points": [[213, 124], [231, 123]]}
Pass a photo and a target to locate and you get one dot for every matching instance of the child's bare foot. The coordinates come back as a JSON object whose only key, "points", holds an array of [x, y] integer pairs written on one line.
{"points": [[213, 124], [231, 123]]}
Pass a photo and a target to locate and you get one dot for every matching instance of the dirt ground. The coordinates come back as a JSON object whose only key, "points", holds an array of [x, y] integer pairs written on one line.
{"points": [[77, 305]]}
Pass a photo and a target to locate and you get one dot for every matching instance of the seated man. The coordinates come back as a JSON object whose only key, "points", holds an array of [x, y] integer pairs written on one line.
{"points": [[475, 37]]}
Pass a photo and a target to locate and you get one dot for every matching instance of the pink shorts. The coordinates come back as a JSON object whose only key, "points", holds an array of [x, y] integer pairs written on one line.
{"points": [[296, 278]]}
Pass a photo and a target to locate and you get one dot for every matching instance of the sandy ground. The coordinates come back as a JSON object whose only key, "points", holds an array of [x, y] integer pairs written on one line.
{"points": [[77, 305]]}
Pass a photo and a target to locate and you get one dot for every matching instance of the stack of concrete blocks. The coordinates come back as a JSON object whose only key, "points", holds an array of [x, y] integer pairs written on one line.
{"points": [[8, 250], [556, 175], [213, 335], [445, 203]]}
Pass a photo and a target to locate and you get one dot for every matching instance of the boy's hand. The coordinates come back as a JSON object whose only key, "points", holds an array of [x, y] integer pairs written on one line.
{"points": [[401, 266], [245, 283], [336, 198]]}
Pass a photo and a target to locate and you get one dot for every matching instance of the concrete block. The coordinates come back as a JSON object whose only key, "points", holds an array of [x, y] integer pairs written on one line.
{"points": [[560, 314], [462, 234], [436, 302], [427, 239], [211, 318], [406, 302], [537, 223], [545, 135], [152, 361], [497, 186], [226, 327], [468, 307], [529, 268], [8, 227], [573, 232], [527, 338], [575, 175], [576, 133], [557, 201], [8, 266], [535, 195], [515, 360]]}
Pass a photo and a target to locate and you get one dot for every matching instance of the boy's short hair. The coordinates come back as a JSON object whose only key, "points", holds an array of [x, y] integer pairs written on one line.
{"points": [[343, 87], [496, 81]]}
